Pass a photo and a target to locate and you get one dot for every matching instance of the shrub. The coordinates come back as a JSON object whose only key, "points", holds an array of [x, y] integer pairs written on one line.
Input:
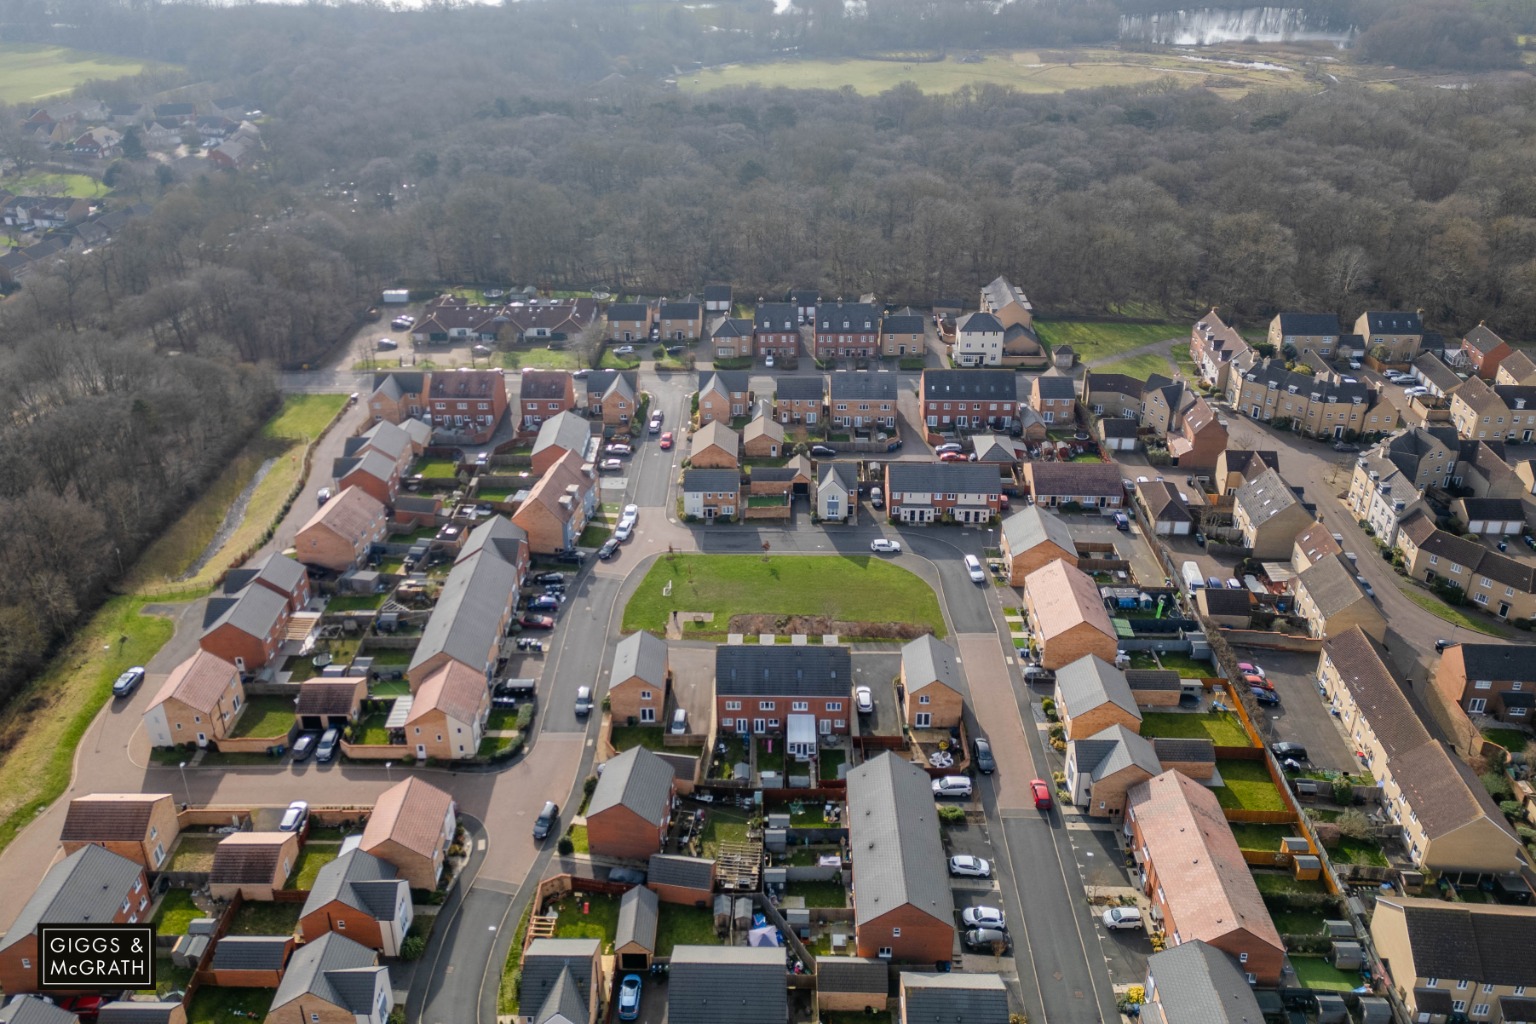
{"points": [[525, 717], [397, 1015], [951, 814], [1355, 825], [411, 949], [1058, 732], [1344, 793], [1496, 783], [1048, 706], [565, 846], [590, 786], [1510, 808]]}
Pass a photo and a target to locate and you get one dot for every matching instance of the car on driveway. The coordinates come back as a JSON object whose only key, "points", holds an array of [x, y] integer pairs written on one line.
{"points": [[624, 350], [1042, 794], [609, 549], [624, 531], [1285, 750], [545, 603], [821, 451], [864, 699], [963, 865], [293, 817], [326, 748], [984, 917], [952, 446], [550, 577], [981, 754], [953, 457], [884, 547], [532, 621], [666, 440], [610, 465], [128, 681], [952, 785], [973, 567], [303, 746], [629, 997], [619, 448], [986, 940], [1257, 682], [1116, 918]]}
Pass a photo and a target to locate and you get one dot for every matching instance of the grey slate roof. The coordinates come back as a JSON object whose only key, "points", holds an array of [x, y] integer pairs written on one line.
{"points": [[1396, 322], [132, 1012], [546, 959], [84, 888], [717, 293], [253, 612], [1091, 682], [980, 321], [1487, 946], [903, 323], [332, 968], [1331, 585], [1498, 662], [467, 618], [1150, 679], [1483, 339], [1032, 526], [359, 880], [862, 386], [926, 660], [638, 911], [893, 833], [397, 383], [687, 308], [628, 311], [566, 431], [1077, 479], [1265, 496], [1225, 602], [1116, 749], [1309, 325], [29, 1009], [1432, 368], [251, 953], [773, 474], [942, 478], [1503, 509], [947, 998], [858, 316], [699, 481], [688, 872], [1053, 386], [636, 779], [734, 327], [565, 1003], [782, 671], [727, 382], [1203, 985], [771, 317], [978, 385], [640, 654], [1118, 427], [739, 984], [281, 572], [1274, 375], [1180, 751], [843, 474], [801, 389], [853, 975]]}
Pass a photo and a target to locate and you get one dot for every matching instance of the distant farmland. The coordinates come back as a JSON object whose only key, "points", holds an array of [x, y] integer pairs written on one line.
{"points": [[34, 72]]}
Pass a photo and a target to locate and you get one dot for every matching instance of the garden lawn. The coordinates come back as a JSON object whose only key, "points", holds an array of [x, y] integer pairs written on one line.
{"points": [[722, 826], [1316, 973], [437, 469], [1512, 740], [852, 589], [81, 186], [684, 926], [539, 359], [176, 912], [1280, 882], [831, 760], [579, 841], [215, 1005], [370, 728], [356, 602], [194, 852], [312, 858], [1260, 837], [1097, 340], [255, 918], [1298, 922], [263, 717], [1187, 667], [1246, 784], [1221, 728], [1357, 851], [600, 920], [390, 687], [820, 894]]}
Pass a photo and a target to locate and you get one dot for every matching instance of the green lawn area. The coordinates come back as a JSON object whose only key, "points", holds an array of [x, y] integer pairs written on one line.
{"points": [[81, 186], [490, 746], [168, 977], [851, 589], [1260, 837], [1279, 881], [391, 657], [356, 602], [610, 361], [594, 535], [587, 915], [1248, 786], [370, 728], [1316, 973], [493, 495], [831, 760], [176, 912], [579, 842], [193, 852], [255, 918], [1187, 667], [312, 858], [1298, 922], [1094, 340], [390, 688], [501, 719], [437, 469], [722, 826], [215, 1005], [264, 716], [1512, 740], [539, 359], [303, 416], [1356, 851], [1140, 367], [651, 737], [31, 71], [684, 926], [1432, 604], [1220, 727], [820, 894]]}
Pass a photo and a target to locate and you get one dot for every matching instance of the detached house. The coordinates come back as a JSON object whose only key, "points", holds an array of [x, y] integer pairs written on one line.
{"points": [[732, 339], [629, 811], [1054, 398], [1269, 516], [860, 400], [799, 400], [612, 396], [978, 340], [1068, 615], [931, 685], [1185, 422], [333, 980], [397, 396], [847, 330], [801, 693], [411, 826], [776, 330], [1306, 332], [559, 505], [723, 396], [545, 394], [711, 493], [343, 531], [1516, 368], [199, 702], [716, 446], [969, 400], [1091, 696], [1004, 300], [1113, 395], [1484, 351], [926, 492], [1497, 412], [1033, 538], [763, 439], [562, 982], [1217, 350], [472, 613], [1103, 767], [681, 320], [837, 492], [566, 432], [448, 713], [630, 321], [1391, 337], [1498, 680], [247, 629], [139, 826], [372, 472], [637, 684]]}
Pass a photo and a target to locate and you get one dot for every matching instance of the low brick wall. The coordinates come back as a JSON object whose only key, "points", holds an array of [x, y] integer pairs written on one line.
{"points": [[1272, 641], [253, 744]]}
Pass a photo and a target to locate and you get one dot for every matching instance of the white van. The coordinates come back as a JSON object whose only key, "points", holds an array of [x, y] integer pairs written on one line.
{"points": [[679, 722]]}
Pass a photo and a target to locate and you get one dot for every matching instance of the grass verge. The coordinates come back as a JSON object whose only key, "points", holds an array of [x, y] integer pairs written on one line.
{"points": [[1455, 616], [512, 970], [539, 359]]}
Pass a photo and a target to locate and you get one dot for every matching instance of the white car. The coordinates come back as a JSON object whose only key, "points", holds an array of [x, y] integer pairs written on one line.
{"points": [[984, 917], [966, 866], [1116, 918], [1415, 392], [619, 448], [952, 785], [610, 465], [624, 350], [864, 699], [624, 531], [631, 515], [973, 567], [581, 374], [768, 361], [293, 817], [884, 547]]}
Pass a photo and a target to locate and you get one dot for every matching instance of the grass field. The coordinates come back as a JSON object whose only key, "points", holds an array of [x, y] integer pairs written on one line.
{"points": [[81, 186], [1260, 837], [1141, 367], [1096, 340], [1246, 784], [1222, 729], [42, 725], [1455, 616], [539, 359], [856, 589], [31, 72]]}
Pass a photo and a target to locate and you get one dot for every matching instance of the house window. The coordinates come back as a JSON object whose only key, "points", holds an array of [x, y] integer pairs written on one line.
{"points": [[885, 951], [649, 715], [1461, 985], [800, 705], [733, 705], [895, 933], [1480, 1010], [1242, 958], [923, 719], [341, 924], [925, 699], [834, 705], [1432, 983], [1459, 1006], [766, 705], [645, 694], [728, 723], [1487, 987]]}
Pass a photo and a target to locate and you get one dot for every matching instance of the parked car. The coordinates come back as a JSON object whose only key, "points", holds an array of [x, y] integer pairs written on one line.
{"points": [[952, 785], [532, 621], [973, 567], [953, 457], [1286, 750], [325, 750], [768, 361], [1442, 644], [1122, 522], [965, 865], [1268, 698], [581, 374], [864, 699], [1116, 918], [129, 681], [1200, 538], [609, 549], [981, 753], [885, 547], [624, 531], [1257, 682], [627, 876], [629, 997], [619, 448], [624, 350], [571, 556], [952, 446], [821, 451], [386, 344], [583, 701], [1042, 794], [666, 440], [986, 940], [550, 577], [1365, 585], [629, 514], [876, 497], [545, 603], [548, 818], [293, 817], [304, 746], [656, 418], [984, 917], [401, 323], [323, 495], [1249, 668], [610, 465]]}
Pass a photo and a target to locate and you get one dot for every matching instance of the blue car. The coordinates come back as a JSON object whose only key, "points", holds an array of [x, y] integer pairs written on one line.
{"points": [[629, 997]]}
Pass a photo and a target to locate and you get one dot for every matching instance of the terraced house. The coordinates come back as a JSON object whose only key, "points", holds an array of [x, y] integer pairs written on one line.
{"points": [[961, 492], [800, 693], [1389, 481], [1323, 405], [1305, 332], [1487, 679], [476, 604], [847, 330], [1217, 350], [965, 401], [1492, 580], [1391, 337], [1458, 961], [861, 400], [1494, 412], [776, 329]]}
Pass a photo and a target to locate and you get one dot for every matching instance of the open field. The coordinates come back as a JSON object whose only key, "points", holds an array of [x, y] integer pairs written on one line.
{"points": [[31, 72], [81, 186], [858, 589], [1095, 340], [1141, 367]]}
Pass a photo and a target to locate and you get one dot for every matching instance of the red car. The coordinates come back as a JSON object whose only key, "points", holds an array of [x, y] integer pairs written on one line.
{"points": [[537, 622], [1258, 682], [666, 440], [1042, 794], [954, 457], [87, 1008]]}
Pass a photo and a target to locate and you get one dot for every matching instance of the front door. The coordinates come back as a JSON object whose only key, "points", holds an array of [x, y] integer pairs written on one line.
{"points": [[421, 751], [1503, 609], [202, 739], [759, 725], [1338, 432]]}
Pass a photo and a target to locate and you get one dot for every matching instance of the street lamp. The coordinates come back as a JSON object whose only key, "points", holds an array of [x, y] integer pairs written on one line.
{"points": [[184, 787], [389, 775]]}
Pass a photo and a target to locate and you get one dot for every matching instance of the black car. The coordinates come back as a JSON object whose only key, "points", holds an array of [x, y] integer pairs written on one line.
{"points": [[1285, 750], [548, 818], [1441, 645], [570, 556], [981, 750], [821, 451], [551, 577], [627, 876], [610, 546], [1269, 698], [894, 445]]}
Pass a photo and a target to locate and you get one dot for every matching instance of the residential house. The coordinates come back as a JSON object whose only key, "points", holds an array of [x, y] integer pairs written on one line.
{"points": [[565, 432], [26, 1009], [1391, 337], [1494, 581], [372, 472], [412, 824], [235, 154], [559, 505], [837, 492], [963, 401], [1092, 695], [1269, 515], [634, 936], [1164, 508], [1185, 422], [799, 399], [942, 998], [716, 446], [681, 319], [249, 961], [1054, 398], [199, 702], [333, 980], [276, 573], [562, 981], [1457, 961], [1389, 481], [859, 400], [476, 603], [545, 394], [740, 984], [930, 680], [1490, 517], [466, 405], [330, 702], [99, 144], [1103, 767], [538, 319], [762, 439], [776, 330], [1498, 680], [903, 333], [630, 321], [1217, 349], [42, 213], [629, 811], [1197, 982], [448, 319], [1484, 351], [1090, 485], [1449, 822], [1008, 303], [1236, 467], [1033, 538], [1306, 332], [978, 341], [1194, 875], [1494, 412], [846, 330], [1517, 368], [902, 906], [448, 713], [926, 492], [1331, 600], [139, 826], [398, 396], [139, 1011], [686, 881], [732, 339], [342, 532], [717, 299], [711, 493], [1431, 372], [1068, 615], [851, 984], [637, 684], [1319, 405], [609, 395], [1313, 544], [1113, 395], [90, 886], [801, 693], [252, 864], [723, 396]]}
